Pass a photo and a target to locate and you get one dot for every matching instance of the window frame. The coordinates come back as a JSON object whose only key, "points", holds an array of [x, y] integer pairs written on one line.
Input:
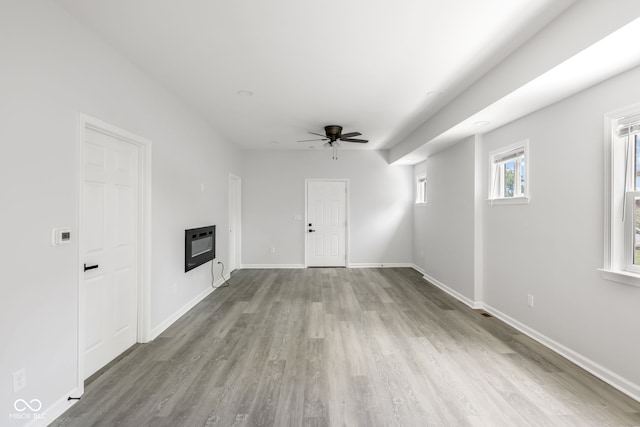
{"points": [[421, 190], [619, 215], [497, 159], [629, 233]]}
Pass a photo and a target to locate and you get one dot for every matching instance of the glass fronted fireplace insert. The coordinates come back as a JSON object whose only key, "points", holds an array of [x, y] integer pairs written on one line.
{"points": [[199, 246]]}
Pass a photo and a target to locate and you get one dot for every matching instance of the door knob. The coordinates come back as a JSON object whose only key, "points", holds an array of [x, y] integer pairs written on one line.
{"points": [[312, 231]]}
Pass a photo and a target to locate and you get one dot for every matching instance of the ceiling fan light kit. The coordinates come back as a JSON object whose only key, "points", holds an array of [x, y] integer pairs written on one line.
{"points": [[333, 134]]}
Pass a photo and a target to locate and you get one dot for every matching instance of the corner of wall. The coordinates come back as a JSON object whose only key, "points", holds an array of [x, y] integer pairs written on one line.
{"points": [[478, 221]]}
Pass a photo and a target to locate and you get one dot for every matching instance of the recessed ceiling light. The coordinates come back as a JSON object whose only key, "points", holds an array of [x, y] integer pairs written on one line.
{"points": [[481, 123], [244, 92]]}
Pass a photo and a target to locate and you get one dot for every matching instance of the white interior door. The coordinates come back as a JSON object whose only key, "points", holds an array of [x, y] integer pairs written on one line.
{"points": [[109, 240], [234, 222], [326, 223]]}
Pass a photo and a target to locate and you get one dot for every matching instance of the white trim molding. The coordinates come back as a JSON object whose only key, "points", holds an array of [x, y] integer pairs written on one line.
{"points": [[618, 264], [614, 380], [457, 295], [380, 265], [144, 146], [418, 269], [509, 201], [352, 265], [155, 332], [499, 157], [619, 276], [53, 411], [271, 266], [235, 214]]}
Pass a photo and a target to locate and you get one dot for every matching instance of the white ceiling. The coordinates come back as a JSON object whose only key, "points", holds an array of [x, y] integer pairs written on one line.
{"points": [[611, 55], [374, 66]]}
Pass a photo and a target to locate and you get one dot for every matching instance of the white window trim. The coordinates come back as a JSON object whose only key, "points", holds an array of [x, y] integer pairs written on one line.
{"points": [[616, 238], [419, 179], [509, 201], [517, 200]]}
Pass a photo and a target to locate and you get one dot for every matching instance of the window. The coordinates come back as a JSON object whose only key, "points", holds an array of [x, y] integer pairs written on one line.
{"points": [[631, 199], [626, 173], [421, 189], [509, 172], [622, 219]]}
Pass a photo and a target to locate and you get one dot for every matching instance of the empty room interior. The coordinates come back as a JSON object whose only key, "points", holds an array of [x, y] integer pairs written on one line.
{"points": [[320, 213]]}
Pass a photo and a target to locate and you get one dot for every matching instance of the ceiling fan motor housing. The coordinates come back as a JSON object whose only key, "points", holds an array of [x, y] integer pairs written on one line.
{"points": [[333, 132]]}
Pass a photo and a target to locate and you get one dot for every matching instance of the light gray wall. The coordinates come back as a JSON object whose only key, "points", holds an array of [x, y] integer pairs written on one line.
{"points": [[273, 192], [552, 247], [444, 226], [549, 248], [52, 68]]}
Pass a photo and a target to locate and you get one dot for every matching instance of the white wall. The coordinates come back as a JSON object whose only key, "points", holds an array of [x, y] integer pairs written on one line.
{"points": [[549, 248], [552, 247], [273, 192], [444, 226], [52, 68]]}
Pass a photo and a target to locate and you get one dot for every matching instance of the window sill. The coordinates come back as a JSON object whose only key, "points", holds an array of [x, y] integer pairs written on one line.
{"points": [[509, 201], [624, 277]]}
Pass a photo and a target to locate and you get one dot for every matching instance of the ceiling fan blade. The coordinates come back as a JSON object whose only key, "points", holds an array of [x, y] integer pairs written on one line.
{"points": [[319, 134], [309, 140], [349, 135], [355, 140]]}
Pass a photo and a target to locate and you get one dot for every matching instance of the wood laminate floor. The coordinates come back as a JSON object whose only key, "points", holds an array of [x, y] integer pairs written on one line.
{"points": [[344, 347]]}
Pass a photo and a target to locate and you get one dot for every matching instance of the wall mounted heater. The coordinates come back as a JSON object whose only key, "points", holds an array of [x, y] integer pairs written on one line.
{"points": [[199, 246]]}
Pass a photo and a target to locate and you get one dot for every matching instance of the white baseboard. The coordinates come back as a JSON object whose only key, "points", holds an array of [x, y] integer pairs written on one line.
{"points": [[270, 266], [419, 269], [47, 416], [351, 265], [380, 265], [616, 381], [457, 295], [155, 332]]}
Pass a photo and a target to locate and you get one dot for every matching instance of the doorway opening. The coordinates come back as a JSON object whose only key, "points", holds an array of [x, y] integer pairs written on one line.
{"points": [[235, 223]]}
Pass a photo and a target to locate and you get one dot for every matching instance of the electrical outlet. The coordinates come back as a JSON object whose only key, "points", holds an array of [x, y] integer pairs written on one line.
{"points": [[273, 250], [530, 300], [19, 380]]}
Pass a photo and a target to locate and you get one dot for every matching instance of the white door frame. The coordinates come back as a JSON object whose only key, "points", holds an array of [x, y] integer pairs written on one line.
{"points": [[346, 216], [235, 182], [86, 122]]}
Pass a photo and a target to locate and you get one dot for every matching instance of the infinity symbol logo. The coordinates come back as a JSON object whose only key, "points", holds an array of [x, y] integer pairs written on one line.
{"points": [[21, 405]]}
